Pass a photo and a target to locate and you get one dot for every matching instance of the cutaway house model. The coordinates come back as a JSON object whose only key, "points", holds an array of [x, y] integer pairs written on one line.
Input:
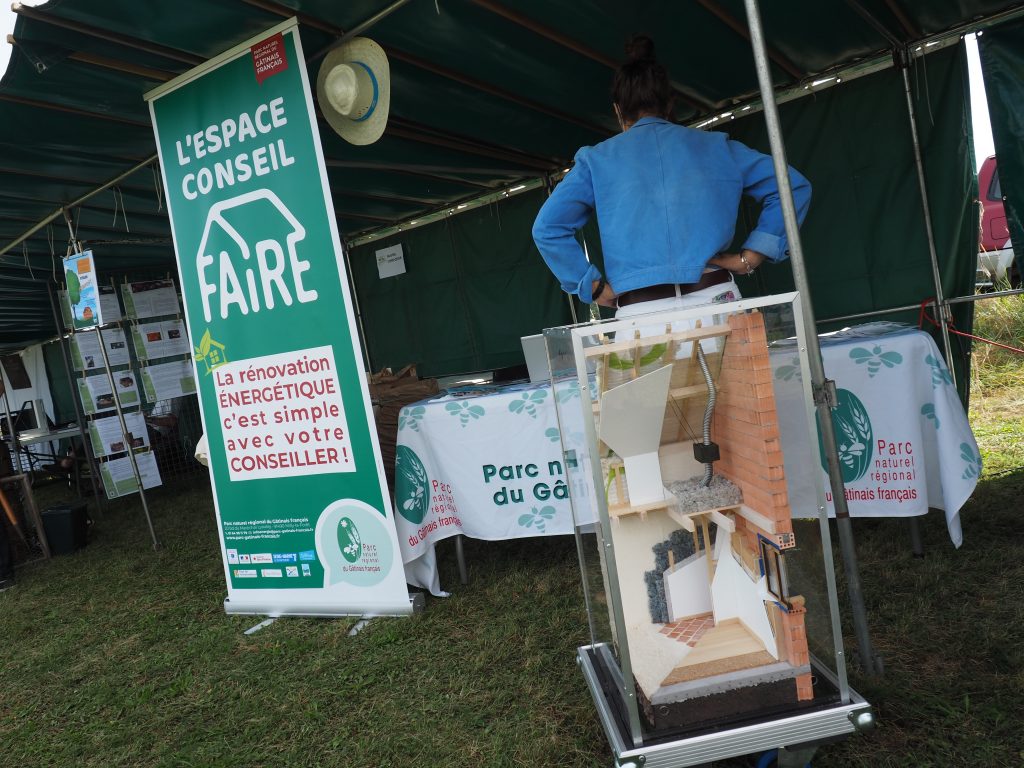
{"points": [[701, 527]]}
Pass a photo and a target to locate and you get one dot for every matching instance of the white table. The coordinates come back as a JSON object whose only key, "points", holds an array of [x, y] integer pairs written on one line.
{"points": [[46, 439], [486, 464], [904, 441]]}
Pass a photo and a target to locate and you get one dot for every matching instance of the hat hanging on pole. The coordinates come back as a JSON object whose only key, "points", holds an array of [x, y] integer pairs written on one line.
{"points": [[353, 88]]}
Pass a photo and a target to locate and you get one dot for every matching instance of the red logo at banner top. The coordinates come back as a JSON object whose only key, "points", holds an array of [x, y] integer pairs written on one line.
{"points": [[269, 58]]}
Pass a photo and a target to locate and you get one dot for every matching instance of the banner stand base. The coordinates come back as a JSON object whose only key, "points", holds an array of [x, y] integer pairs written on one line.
{"points": [[415, 604]]}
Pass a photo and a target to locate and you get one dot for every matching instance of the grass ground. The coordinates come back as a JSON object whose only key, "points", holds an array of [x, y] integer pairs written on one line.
{"points": [[122, 656]]}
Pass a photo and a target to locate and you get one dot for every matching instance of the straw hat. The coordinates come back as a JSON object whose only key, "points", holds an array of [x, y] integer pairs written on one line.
{"points": [[353, 88]]}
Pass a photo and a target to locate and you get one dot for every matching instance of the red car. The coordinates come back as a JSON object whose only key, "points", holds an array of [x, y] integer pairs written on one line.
{"points": [[995, 252]]}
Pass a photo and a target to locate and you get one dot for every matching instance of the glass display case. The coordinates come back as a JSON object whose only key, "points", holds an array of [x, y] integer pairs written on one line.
{"points": [[714, 621]]}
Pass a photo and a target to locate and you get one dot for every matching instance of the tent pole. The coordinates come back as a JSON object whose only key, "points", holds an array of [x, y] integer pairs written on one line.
{"points": [[61, 211], [823, 390], [358, 29], [363, 342], [940, 302]]}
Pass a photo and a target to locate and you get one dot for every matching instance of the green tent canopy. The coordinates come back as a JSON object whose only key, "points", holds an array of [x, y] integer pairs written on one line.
{"points": [[490, 97]]}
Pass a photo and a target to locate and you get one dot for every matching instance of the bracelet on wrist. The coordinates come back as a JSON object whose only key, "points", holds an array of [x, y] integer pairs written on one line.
{"points": [[599, 289], [743, 259]]}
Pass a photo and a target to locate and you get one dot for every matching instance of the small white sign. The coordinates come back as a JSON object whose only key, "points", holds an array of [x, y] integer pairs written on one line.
{"points": [[390, 262]]}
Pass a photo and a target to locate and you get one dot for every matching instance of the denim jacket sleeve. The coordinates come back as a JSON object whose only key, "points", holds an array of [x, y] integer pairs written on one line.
{"points": [[758, 171], [554, 230]]}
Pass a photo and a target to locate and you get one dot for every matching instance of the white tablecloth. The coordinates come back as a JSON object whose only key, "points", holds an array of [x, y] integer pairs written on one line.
{"points": [[488, 465], [904, 441]]}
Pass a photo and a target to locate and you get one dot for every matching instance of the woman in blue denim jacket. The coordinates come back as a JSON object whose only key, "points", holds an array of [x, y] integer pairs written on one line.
{"points": [[667, 198]]}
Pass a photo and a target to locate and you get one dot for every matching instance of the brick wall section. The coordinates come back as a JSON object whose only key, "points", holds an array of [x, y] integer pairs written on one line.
{"points": [[747, 431], [746, 421], [793, 646], [804, 688]]}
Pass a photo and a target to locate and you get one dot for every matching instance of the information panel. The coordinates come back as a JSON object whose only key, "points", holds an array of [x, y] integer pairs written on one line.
{"points": [[97, 396], [119, 477], [305, 517], [167, 380], [150, 298], [107, 437], [162, 339], [86, 354]]}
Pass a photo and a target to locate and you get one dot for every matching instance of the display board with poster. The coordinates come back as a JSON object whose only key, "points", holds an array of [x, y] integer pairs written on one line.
{"points": [[163, 381], [106, 383], [150, 298], [86, 354], [107, 437], [110, 309], [166, 338], [119, 479], [96, 394]]}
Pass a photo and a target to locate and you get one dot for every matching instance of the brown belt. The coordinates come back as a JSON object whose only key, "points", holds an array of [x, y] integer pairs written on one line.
{"points": [[667, 291]]}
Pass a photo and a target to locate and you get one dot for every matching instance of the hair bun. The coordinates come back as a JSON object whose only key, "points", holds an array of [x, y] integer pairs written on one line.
{"points": [[640, 48]]}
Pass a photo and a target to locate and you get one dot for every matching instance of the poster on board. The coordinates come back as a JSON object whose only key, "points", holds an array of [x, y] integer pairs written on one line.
{"points": [[96, 395], [295, 465], [85, 349], [110, 309], [82, 292], [150, 298], [107, 438], [161, 339], [119, 478], [164, 381]]}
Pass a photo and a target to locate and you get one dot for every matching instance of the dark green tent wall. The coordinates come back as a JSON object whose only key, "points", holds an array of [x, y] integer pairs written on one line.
{"points": [[864, 239], [1002, 65], [475, 282]]}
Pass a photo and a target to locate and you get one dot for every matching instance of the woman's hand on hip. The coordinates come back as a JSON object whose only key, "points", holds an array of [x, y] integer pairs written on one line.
{"points": [[607, 296], [742, 263]]}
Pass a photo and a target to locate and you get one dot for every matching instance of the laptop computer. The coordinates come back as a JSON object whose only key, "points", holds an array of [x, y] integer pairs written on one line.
{"points": [[536, 353]]}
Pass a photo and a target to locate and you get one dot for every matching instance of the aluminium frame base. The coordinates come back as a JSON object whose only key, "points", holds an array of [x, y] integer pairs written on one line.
{"points": [[795, 731]]}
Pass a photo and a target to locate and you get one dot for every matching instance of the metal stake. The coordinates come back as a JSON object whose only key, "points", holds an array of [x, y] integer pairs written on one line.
{"points": [[819, 384]]}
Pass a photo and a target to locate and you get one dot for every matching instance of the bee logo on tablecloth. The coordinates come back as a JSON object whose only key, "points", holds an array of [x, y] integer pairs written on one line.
{"points": [[854, 437], [411, 485]]}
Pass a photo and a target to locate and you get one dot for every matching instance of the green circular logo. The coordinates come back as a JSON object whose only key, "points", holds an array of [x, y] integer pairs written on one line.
{"points": [[349, 540], [854, 437], [411, 485]]}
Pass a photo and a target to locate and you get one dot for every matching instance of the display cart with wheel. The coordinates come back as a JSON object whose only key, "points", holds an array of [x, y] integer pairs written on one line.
{"points": [[712, 605]]}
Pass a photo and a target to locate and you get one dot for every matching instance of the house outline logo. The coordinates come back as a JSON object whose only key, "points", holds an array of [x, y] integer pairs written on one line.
{"points": [[285, 258]]}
